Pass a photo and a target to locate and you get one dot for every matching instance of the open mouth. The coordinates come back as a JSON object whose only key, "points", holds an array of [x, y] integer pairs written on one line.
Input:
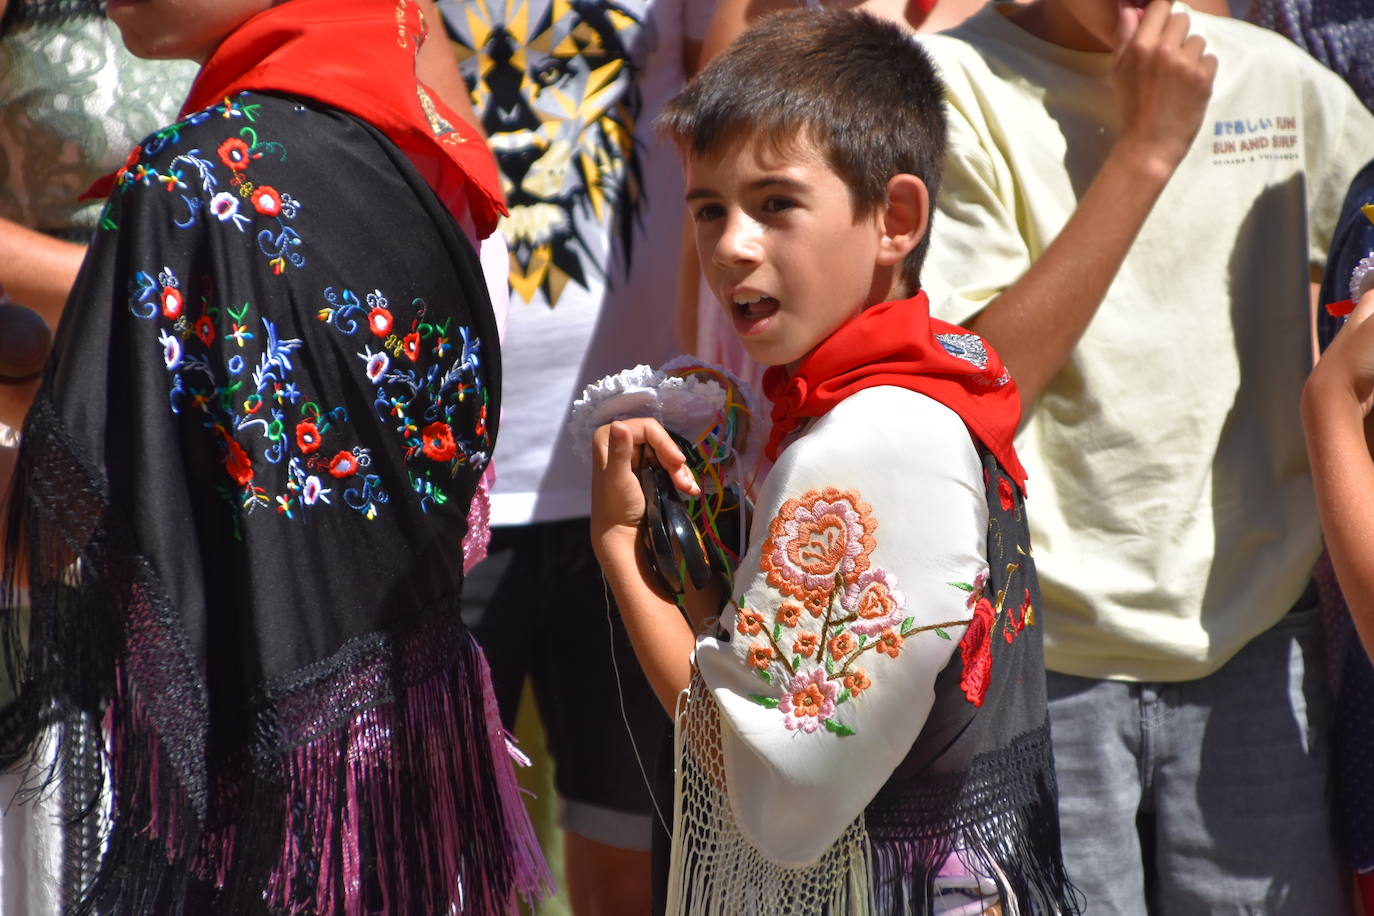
{"points": [[752, 309]]}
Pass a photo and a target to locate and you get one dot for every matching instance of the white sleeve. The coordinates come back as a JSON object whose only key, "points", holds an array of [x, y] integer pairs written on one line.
{"points": [[851, 599]]}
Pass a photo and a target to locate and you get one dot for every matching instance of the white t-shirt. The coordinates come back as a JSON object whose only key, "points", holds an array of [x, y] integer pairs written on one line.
{"points": [[568, 94], [1171, 502]]}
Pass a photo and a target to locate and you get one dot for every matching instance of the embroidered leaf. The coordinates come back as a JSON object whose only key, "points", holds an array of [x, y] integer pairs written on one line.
{"points": [[796, 660], [862, 639], [766, 702], [966, 586], [941, 633], [767, 678], [907, 624], [829, 665], [777, 631], [844, 731], [842, 697], [107, 223]]}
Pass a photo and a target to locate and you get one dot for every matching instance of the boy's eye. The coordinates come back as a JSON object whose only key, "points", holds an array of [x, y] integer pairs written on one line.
{"points": [[778, 204], [707, 212]]}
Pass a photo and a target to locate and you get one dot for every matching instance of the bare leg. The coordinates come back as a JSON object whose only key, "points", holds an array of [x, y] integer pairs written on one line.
{"points": [[605, 880]]}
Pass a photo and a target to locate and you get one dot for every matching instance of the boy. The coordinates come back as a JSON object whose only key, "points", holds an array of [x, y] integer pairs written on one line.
{"points": [[1146, 193], [834, 755]]}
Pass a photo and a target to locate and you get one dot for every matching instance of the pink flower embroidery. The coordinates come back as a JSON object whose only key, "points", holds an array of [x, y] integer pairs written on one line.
{"points": [[808, 701], [877, 601]]}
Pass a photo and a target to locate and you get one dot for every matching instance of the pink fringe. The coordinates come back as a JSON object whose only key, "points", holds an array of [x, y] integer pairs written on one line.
{"points": [[413, 801]]}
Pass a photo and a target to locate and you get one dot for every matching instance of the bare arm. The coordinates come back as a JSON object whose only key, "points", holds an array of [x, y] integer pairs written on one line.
{"points": [[1163, 80], [37, 270], [1336, 404]]}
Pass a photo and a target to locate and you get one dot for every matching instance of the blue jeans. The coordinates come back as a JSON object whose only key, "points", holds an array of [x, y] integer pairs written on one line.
{"points": [[1206, 796]]}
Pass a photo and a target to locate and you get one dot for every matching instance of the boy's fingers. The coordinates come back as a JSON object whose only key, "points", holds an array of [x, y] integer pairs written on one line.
{"points": [[1175, 30], [1127, 21], [619, 444], [670, 458]]}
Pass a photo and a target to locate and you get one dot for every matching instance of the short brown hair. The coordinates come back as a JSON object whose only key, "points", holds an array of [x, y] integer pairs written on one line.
{"points": [[856, 86]]}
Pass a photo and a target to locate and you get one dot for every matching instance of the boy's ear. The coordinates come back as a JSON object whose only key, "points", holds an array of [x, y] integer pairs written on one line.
{"points": [[904, 218]]}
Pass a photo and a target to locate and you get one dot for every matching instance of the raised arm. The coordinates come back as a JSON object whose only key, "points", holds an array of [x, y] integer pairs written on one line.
{"points": [[1336, 404], [1163, 81]]}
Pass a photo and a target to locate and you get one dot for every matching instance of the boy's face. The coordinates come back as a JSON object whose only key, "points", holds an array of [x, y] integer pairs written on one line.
{"points": [[780, 247], [180, 29]]}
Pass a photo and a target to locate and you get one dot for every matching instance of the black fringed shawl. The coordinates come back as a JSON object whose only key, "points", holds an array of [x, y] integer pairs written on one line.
{"points": [[239, 510]]}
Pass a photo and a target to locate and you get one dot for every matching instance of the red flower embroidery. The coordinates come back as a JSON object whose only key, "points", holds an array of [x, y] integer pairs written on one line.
{"points": [[171, 302], [237, 464], [760, 656], [266, 200], [412, 344], [308, 437], [1027, 615], [1004, 494], [806, 644], [975, 652], [437, 442], [749, 623], [234, 153], [841, 645], [379, 320], [890, 643], [205, 330], [129, 163], [343, 465]]}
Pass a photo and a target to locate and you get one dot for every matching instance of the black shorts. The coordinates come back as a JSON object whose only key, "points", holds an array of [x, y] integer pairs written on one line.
{"points": [[539, 608]]}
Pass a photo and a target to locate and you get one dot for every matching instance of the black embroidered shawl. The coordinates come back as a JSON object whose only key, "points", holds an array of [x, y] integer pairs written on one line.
{"points": [[239, 509], [979, 779]]}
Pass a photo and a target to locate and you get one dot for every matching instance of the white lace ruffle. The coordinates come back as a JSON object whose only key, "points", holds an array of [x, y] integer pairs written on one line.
{"points": [[688, 405], [1362, 277]]}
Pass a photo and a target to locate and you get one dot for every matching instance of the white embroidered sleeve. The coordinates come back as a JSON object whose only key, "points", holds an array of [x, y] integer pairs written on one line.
{"points": [[868, 539]]}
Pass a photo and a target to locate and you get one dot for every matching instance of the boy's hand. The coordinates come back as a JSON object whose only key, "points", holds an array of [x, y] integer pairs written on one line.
{"points": [[617, 498], [1163, 80]]}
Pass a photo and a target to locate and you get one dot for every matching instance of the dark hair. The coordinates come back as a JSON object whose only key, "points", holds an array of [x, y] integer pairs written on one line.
{"points": [[857, 87]]}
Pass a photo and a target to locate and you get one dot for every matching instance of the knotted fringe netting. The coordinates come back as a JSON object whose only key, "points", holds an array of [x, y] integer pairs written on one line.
{"points": [[716, 871]]}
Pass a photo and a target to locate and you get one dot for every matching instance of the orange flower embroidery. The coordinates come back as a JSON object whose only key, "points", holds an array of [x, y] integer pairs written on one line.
{"points": [[789, 615], [857, 682], [816, 539], [760, 656], [749, 623], [806, 644], [841, 645], [889, 643]]}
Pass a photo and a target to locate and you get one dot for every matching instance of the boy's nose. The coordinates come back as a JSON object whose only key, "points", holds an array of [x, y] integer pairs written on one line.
{"points": [[738, 242]]}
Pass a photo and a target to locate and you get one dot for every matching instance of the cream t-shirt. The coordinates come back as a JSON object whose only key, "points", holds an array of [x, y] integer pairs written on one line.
{"points": [[1170, 497]]}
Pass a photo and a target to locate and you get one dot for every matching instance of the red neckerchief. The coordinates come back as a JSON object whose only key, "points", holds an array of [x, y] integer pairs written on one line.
{"points": [[357, 56], [894, 343]]}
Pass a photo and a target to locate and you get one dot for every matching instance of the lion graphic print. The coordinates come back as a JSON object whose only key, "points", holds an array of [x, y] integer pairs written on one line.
{"points": [[554, 83]]}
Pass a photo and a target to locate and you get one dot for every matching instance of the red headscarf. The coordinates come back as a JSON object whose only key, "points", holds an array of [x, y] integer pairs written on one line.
{"points": [[357, 56], [896, 343]]}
